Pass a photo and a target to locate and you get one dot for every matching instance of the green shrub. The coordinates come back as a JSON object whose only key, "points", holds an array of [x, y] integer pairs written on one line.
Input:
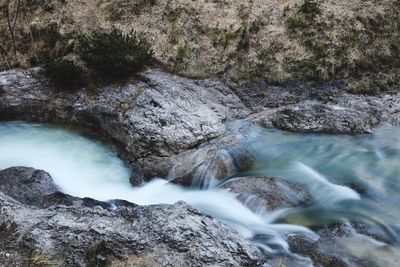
{"points": [[308, 70], [295, 23], [310, 7], [181, 53], [320, 50], [174, 36], [114, 54], [231, 35], [62, 72]]}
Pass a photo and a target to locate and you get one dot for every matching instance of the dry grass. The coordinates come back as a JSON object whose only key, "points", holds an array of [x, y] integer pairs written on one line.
{"points": [[356, 34], [135, 261], [40, 260]]}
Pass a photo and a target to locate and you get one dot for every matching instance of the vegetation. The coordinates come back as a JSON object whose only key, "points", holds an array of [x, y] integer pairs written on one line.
{"points": [[308, 70], [107, 55], [295, 22], [134, 261], [320, 50], [61, 72], [40, 260], [181, 53], [120, 9], [114, 54], [174, 36], [310, 7], [354, 41], [365, 54], [231, 35]]}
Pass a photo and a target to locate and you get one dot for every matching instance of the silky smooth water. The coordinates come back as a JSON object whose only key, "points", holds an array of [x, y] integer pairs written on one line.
{"points": [[348, 177]]}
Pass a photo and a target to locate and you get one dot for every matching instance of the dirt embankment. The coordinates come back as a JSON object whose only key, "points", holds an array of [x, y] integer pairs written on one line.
{"points": [[355, 41]]}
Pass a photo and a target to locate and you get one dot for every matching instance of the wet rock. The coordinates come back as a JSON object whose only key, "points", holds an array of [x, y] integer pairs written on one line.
{"points": [[82, 232], [212, 164], [262, 194], [333, 247], [27, 185]]}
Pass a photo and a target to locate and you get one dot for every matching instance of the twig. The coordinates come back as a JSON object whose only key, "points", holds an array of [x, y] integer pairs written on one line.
{"points": [[283, 258], [49, 6], [11, 26], [16, 14], [4, 55]]}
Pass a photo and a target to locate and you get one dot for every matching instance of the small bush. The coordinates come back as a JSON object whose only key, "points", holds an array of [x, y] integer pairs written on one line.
{"points": [[295, 23], [310, 7], [114, 54], [320, 50], [174, 36], [308, 70], [63, 72], [231, 35], [181, 53]]}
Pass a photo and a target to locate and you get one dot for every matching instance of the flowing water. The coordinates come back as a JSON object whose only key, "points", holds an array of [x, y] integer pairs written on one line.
{"points": [[349, 177]]}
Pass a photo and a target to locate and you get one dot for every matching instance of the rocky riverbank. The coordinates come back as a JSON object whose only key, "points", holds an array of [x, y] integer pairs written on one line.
{"points": [[175, 128], [162, 120]]}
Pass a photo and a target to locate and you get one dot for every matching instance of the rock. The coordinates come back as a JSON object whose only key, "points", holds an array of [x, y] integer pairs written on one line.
{"points": [[174, 114], [331, 249], [27, 185], [262, 194], [150, 120], [311, 116], [212, 164], [327, 110], [258, 94], [84, 232]]}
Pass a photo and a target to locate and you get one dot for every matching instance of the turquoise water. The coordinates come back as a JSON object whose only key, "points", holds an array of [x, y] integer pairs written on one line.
{"points": [[348, 176]]}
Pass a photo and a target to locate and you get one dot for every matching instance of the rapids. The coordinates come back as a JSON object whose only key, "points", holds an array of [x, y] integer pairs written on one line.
{"points": [[349, 177]]}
